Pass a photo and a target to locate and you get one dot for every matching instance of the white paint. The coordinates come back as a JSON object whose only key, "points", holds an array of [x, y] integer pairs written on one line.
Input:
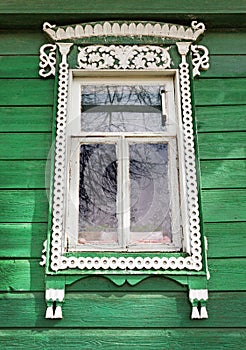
{"points": [[119, 29], [200, 59], [47, 61], [123, 57]]}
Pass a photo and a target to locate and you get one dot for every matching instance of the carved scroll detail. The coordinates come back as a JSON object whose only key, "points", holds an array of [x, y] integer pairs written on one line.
{"points": [[47, 62], [123, 57], [200, 59]]}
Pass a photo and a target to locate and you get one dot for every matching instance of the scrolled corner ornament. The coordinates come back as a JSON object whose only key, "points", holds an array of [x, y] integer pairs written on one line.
{"points": [[200, 59], [123, 57], [47, 61], [198, 27]]}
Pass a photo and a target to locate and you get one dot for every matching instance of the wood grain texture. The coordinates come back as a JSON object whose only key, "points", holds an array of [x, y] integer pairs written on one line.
{"points": [[224, 145], [117, 310], [19, 66], [228, 91], [27, 275], [223, 174], [25, 146], [221, 118], [111, 339], [23, 206], [22, 240], [21, 174], [26, 92], [21, 275], [230, 66], [21, 42], [76, 6], [225, 239], [25, 240], [227, 274], [224, 205], [224, 42], [26, 119]]}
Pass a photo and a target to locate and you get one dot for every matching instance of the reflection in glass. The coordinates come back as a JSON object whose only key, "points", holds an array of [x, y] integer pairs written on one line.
{"points": [[121, 108], [97, 194], [149, 194]]}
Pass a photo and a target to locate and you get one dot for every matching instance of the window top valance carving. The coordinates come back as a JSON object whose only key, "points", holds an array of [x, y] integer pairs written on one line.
{"points": [[139, 29]]}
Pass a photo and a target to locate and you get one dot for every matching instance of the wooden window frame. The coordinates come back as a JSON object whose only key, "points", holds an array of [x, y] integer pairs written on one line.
{"points": [[74, 138], [138, 46]]}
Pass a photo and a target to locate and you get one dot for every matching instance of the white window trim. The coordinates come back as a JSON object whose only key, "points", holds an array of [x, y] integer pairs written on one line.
{"points": [[74, 138], [193, 261]]}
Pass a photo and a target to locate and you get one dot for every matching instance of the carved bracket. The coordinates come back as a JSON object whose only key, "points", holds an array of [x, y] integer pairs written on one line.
{"points": [[200, 59], [47, 62], [198, 299], [54, 299]]}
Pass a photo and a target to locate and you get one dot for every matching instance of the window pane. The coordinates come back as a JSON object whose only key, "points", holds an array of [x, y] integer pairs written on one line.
{"points": [[97, 194], [121, 108], [149, 194]]}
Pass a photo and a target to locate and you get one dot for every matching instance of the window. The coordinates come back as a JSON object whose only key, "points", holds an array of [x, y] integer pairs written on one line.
{"points": [[124, 193], [123, 184]]}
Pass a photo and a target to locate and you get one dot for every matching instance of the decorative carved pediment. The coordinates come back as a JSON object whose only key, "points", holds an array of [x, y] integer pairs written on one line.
{"points": [[124, 29]]}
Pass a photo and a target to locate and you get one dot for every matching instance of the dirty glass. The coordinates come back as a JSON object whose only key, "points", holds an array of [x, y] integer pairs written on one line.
{"points": [[124, 108], [98, 194], [149, 194]]}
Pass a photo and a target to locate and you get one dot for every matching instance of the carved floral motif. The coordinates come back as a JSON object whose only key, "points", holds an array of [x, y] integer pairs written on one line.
{"points": [[123, 57]]}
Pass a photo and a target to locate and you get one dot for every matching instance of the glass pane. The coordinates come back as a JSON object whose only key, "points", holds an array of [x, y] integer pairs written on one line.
{"points": [[149, 194], [98, 194], [121, 108]]}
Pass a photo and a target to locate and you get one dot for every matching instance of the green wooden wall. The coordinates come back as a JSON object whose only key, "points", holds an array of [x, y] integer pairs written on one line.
{"points": [[155, 314]]}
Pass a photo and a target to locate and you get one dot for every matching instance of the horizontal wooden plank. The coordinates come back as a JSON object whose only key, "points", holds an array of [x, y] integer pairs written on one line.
{"points": [[221, 118], [227, 274], [24, 174], [26, 92], [223, 174], [21, 275], [26, 119], [26, 275], [25, 146], [220, 91], [75, 6], [225, 239], [25, 240], [224, 145], [21, 42], [19, 66], [111, 339], [224, 42], [229, 66], [23, 206], [224, 205], [22, 240], [128, 310]]}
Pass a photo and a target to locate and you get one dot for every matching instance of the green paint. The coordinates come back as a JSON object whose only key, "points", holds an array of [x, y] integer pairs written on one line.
{"points": [[136, 339], [221, 118], [96, 309], [222, 145], [25, 146], [26, 119]]}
